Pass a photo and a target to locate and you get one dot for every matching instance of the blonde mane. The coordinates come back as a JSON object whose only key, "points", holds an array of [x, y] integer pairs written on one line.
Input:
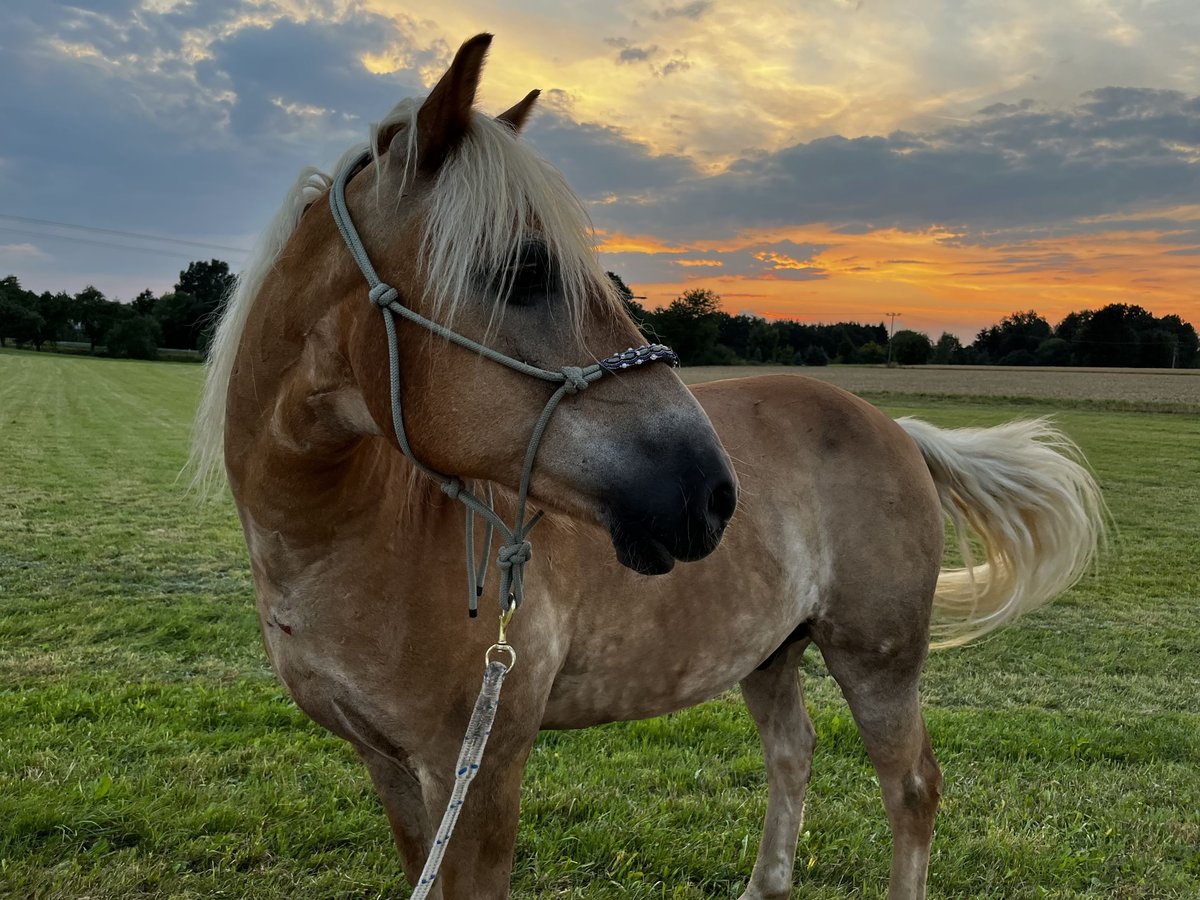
{"points": [[487, 199]]}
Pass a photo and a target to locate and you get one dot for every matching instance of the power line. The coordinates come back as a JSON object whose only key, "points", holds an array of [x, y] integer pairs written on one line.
{"points": [[129, 234], [153, 251]]}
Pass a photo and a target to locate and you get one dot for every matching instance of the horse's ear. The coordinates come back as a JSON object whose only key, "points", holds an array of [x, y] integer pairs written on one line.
{"points": [[445, 115], [517, 116]]}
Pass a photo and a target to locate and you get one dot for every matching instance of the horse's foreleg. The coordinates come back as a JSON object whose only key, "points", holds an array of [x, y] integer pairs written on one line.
{"points": [[479, 857], [882, 693], [776, 701], [400, 792]]}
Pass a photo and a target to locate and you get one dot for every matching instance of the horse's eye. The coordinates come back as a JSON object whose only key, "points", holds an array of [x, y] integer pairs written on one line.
{"points": [[531, 277]]}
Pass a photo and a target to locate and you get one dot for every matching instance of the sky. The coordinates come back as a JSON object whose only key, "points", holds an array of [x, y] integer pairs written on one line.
{"points": [[824, 160]]}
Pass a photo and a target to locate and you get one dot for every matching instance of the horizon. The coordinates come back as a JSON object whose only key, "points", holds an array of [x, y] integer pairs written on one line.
{"points": [[826, 165]]}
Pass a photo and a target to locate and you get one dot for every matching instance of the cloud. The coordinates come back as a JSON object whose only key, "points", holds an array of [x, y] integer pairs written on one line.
{"points": [[190, 121], [693, 10], [602, 162], [15, 254], [1016, 165], [630, 52]]}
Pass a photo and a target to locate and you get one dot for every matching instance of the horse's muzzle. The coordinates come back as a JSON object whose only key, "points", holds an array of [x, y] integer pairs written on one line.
{"points": [[673, 512]]}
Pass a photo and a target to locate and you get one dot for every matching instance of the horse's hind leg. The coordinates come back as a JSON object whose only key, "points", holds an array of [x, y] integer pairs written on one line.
{"points": [[881, 688], [776, 701]]}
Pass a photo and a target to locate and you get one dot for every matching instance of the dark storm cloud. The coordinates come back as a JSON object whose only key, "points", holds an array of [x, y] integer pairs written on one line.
{"points": [[1116, 150], [313, 64], [599, 161]]}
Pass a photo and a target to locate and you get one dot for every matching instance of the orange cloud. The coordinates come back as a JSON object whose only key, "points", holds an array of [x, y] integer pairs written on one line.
{"points": [[939, 282]]}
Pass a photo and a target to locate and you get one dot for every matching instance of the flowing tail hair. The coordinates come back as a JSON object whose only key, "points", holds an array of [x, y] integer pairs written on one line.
{"points": [[1025, 491]]}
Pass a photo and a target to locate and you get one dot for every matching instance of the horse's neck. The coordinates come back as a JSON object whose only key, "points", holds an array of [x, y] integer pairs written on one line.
{"points": [[306, 460]]}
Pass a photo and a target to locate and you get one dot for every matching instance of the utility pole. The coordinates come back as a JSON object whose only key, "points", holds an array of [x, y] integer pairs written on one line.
{"points": [[891, 334]]}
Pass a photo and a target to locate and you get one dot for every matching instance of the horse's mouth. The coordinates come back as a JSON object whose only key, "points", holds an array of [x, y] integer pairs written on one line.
{"points": [[639, 550]]}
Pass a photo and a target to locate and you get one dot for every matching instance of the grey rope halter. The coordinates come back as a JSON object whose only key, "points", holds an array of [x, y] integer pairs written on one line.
{"points": [[515, 549]]}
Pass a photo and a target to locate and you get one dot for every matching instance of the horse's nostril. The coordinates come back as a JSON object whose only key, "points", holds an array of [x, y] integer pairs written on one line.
{"points": [[722, 501]]}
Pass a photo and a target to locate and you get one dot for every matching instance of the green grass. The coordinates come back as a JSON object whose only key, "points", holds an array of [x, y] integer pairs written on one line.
{"points": [[147, 751]]}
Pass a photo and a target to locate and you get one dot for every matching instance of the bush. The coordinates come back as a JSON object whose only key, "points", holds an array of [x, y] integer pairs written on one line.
{"points": [[136, 337], [871, 353], [1018, 358]]}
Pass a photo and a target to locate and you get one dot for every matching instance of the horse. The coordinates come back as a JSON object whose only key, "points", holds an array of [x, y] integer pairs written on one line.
{"points": [[802, 514]]}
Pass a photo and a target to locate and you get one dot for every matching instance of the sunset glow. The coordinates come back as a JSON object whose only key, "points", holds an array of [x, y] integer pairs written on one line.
{"points": [[834, 160]]}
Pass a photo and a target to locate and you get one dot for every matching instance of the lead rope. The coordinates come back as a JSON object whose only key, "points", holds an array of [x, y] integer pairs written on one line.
{"points": [[516, 550], [469, 758]]}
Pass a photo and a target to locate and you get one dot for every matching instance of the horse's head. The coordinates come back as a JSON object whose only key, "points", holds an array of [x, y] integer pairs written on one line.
{"points": [[476, 232]]}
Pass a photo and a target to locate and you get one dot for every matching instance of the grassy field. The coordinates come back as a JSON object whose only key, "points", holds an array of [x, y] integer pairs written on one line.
{"points": [[147, 751]]}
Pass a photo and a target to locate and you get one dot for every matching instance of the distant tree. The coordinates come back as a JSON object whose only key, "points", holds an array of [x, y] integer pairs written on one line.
{"points": [[143, 303], [1068, 329], [1187, 347], [94, 313], [19, 319], [1018, 331], [55, 310], [636, 311], [622, 288], [1110, 337], [134, 336], [181, 318], [18, 322], [846, 351], [815, 355], [948, 350], [209, 282], [1053, 351], [209, 285], [733, 332], [911, 348], [690, 325]]}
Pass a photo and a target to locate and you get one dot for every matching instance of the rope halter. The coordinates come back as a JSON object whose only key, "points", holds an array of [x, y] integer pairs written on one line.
{"points": [[515, 549]]}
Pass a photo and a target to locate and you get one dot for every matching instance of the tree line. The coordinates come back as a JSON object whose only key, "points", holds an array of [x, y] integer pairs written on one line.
{"points": [[694, 324], [181, 319], [1118, 334]]}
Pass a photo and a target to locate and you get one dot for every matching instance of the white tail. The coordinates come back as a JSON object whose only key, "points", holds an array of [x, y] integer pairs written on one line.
{"points": [[1024, 489]]}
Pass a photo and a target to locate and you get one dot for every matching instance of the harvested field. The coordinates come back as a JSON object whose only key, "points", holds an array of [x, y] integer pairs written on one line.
{"points": [[1156, 390]]}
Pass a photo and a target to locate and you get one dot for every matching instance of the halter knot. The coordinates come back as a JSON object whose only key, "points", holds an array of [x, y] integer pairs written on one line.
{"points": [[452, 488], [574, 380], [514, 555], [383, 294]]}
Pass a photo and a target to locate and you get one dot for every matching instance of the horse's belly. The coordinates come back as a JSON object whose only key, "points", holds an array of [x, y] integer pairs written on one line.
{"points": [[667, 658]]}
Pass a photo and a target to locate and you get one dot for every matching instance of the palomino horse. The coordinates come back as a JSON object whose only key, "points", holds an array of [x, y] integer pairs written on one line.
{"points": [[357, 562]]}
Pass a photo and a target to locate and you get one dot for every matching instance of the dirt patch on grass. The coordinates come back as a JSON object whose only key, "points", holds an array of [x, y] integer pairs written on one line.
{"points": [[1166, 390]]}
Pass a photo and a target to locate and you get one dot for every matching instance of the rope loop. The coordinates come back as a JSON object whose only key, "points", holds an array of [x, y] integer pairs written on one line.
{"points": [[383, 294], [574, 380]]}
